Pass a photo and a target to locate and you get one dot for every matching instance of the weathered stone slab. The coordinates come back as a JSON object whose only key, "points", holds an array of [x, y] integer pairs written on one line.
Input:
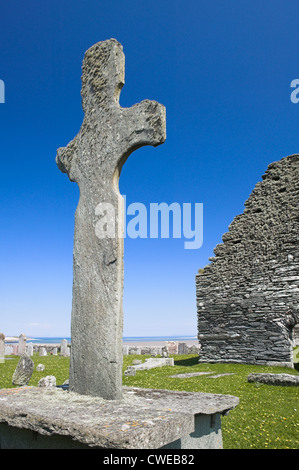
{"points": [[94, 159], [220, 375], [24, 370], [189, 375], [48, 381], [274, 379], [143, 419], [152, 363]]}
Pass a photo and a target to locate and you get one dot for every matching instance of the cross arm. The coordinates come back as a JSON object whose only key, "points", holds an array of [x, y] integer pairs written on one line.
{"points": [[65, 157], [146, 123]]}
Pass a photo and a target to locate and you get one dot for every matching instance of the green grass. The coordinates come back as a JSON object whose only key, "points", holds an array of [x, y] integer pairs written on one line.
{"points": [[54, 365], [266, 417]]}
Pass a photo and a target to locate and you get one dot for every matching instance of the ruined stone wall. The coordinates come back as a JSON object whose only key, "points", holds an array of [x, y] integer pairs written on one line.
{"points": [[248, 296]]}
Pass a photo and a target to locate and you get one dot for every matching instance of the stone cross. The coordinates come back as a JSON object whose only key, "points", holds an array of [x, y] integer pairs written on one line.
{"points": [[93, 159]]}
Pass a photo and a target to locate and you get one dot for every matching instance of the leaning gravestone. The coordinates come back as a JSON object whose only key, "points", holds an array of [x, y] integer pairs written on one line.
{"points": [[94, 159], [23, 371]]}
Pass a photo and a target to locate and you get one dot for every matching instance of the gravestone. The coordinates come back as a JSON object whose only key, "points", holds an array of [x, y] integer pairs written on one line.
{"points": [[182, 348], [42, 351], [2, 347], [94, 159], [172, 347], [64, 349], [23, 371], [29, 349], [22, 344], [8, 349]]}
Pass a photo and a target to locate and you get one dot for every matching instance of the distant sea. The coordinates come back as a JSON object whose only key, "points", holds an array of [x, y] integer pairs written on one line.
{"points": [[130, 339]]}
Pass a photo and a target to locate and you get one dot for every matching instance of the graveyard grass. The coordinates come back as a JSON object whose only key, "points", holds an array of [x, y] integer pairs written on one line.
{"points": [[266, 417]]}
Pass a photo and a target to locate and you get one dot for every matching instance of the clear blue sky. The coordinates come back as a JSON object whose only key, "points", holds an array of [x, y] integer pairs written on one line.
{"points": [[222, 69]]}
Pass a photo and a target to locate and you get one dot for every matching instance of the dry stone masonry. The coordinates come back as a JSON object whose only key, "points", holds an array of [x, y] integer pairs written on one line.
{"points": [[248, 296]]}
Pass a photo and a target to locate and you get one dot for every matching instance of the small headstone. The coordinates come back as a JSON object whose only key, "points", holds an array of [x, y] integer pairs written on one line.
{"points": [[64, 349], [15, 350], [125, 350], [182, 348], [172, 347], [164, 352], [42, 351], [47, 382], [8, 349], [40, 367], [29, 349], [22, 344], [189, 375], [23, 371], [54, 352], [2, 347]]}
